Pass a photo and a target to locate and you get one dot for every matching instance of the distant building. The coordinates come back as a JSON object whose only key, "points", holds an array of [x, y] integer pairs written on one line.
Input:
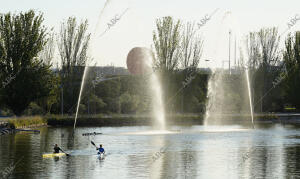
{"points": [[109, 70], [100, 70]]}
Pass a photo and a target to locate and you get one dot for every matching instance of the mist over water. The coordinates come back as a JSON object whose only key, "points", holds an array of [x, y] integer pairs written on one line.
{"points": [[229, 86], [158, 106]]}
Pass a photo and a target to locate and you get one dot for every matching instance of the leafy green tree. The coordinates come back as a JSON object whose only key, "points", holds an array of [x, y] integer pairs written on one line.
{"points": [[109, 91], [190, 55], [25, 77], [73, 43], [166, 41], [291, 75], [96, 103], [47, 55], [191, 47], [264, 56], [129, 103], [177, 47]]}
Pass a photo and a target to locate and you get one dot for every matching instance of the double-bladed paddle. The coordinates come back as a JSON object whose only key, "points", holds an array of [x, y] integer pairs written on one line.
{"points": [[93, 144], [65, 152]]}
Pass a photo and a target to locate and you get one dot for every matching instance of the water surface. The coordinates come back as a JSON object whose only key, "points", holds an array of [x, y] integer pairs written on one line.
{"points": [[141, 152]]}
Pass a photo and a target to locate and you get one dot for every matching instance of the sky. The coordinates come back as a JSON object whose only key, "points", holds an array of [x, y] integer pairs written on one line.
{"points": [[135, 27]]}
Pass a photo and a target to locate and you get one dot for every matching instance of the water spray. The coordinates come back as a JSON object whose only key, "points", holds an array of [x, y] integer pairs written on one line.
{"points": [[250, 96]]}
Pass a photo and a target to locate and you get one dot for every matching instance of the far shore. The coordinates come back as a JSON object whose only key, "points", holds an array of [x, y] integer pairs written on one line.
{"points": [[143, 119]]}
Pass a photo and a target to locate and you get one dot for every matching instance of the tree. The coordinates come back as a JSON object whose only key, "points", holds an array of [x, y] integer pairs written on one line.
{"points": [[291, 77], [27, 78], [263, 51], [253, 51], [109, 91], [47, 55], [73, 43], [129, 103], [166, 41], [190, 55], [191, 47]]}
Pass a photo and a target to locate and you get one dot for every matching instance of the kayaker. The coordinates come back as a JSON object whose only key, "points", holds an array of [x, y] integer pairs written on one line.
{"points": [[101, 149], [57, 149]]}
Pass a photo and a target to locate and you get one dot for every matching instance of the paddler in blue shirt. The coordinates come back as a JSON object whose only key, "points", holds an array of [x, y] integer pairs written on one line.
{"points": [[101, 149]]}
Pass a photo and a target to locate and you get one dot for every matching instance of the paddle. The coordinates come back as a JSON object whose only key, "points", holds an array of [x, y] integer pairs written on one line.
{"points": [[65, 152], [93, 144], [96, 146]]}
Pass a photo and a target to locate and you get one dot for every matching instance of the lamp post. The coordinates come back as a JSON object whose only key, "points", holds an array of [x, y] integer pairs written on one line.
{"points": [[207, 60], [207, 68]]}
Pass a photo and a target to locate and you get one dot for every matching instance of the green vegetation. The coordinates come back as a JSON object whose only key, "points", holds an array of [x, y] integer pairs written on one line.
{"points": [[120, 120], [115, 120], [291, 74], [30, 121], [73, 42], [31, 86], [275, 75], [24, 77]]}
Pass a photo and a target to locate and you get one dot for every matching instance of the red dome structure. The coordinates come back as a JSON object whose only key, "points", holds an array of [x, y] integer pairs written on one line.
{"points": [[139, 60]]}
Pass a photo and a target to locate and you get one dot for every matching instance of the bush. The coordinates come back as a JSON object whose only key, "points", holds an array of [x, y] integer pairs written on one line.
{"points": [[34, 110], [5, 112], [26, 121]]}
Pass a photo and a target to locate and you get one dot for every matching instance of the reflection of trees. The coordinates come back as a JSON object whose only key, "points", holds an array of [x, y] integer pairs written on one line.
{"points": [[292, 166], [178, 161], [262, 161], [26, 164]]}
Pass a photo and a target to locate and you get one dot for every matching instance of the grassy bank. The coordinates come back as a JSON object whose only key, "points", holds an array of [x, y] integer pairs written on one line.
{"points": [[98, 120], [123, 120], [120, 120], [266, 117], [25, 122]]}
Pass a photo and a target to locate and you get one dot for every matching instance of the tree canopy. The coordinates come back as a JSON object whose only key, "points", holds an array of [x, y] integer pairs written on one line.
{"points": [[22, 38]]}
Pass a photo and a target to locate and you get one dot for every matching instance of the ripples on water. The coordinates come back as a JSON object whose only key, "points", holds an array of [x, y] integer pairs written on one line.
{"points": [[140, 152]]}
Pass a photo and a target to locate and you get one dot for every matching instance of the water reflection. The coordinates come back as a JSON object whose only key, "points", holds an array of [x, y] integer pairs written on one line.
{"points": [[185, 152]]}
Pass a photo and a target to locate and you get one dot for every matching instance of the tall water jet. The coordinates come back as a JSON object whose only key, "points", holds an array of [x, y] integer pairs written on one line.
{"points": [[215, 95], [93, 37], [250, 96], [229, 97], [80, 93], [139, 62], [158, 106]]}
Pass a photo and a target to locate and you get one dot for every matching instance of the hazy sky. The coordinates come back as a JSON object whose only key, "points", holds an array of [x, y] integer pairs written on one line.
{"points": [[137, 24]]}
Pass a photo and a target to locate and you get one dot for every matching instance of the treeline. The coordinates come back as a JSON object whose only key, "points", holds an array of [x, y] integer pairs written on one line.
{"points": [[30, 85], [274, 71], [132, 94]]}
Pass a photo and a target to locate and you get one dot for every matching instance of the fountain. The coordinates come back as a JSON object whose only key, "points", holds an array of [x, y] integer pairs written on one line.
{"points": [[158, 106], [250, 96], [229, 91], [139, 61], [94, 36], [80, 93]]}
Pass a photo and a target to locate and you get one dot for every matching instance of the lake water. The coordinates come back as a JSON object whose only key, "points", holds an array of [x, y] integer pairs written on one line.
{"points": [[140, 152]]}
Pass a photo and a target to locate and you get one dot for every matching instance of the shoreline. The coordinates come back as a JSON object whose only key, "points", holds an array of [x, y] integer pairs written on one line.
{"points": [[31, 122]]}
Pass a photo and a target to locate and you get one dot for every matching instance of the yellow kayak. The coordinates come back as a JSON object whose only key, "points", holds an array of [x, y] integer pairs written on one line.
{"points": [[53, 155]]}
